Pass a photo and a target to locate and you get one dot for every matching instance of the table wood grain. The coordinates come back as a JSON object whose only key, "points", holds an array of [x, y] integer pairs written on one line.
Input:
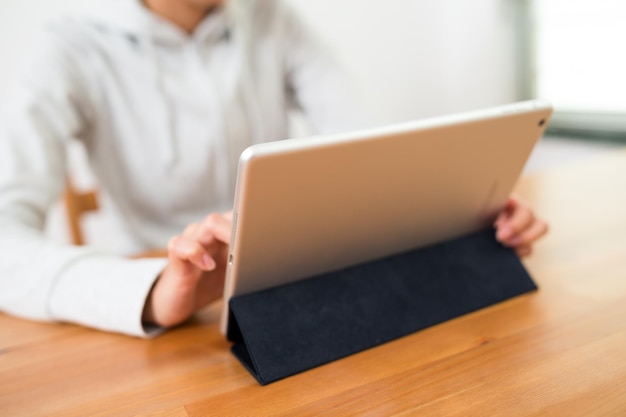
{"points": [[560, 351]]}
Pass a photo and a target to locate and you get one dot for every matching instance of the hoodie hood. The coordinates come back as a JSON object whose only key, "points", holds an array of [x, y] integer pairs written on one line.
{"points": [[155, 36], [133, 18]]}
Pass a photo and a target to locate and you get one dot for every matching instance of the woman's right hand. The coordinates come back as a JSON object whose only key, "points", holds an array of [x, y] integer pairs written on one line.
{"points": [[195, 274]]}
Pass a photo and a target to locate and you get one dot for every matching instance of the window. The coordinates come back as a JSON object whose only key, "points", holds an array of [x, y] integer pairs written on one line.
{"points": [[578, 63]]}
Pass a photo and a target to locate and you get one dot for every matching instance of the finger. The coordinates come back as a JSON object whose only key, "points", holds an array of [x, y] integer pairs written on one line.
{"points": [[505, 213], [184, 249], [503, 231], [200, 232], [191, 230], [532, 233], [518, 220], [524, 250], [222, 226], [214, 227]]}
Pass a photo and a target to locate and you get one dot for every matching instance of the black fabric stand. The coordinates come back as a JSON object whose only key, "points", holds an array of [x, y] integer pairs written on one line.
{"points": [[291, 328]]}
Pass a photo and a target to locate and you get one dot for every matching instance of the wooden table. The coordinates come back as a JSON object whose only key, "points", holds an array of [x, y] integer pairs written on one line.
{"points": [[560, 351]]}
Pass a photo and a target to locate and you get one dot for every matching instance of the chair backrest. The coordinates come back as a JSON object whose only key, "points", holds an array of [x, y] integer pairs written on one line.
{"points": [[80, 202], [77, 203]]}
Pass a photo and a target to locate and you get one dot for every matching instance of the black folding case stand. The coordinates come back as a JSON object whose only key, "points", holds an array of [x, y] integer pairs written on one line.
{"points": [[292, 328]]}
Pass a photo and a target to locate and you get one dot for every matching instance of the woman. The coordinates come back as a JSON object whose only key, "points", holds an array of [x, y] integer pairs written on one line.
{"points": [[164, 95]]}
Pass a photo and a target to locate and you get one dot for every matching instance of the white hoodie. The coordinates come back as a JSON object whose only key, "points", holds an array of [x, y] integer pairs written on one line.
{"points": [[163, 117]]}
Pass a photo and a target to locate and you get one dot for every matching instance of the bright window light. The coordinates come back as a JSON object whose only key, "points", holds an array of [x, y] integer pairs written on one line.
{"points": [[580, 53]]}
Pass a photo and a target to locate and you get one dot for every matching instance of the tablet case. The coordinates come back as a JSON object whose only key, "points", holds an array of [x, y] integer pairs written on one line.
{"points": [[294, 327]]}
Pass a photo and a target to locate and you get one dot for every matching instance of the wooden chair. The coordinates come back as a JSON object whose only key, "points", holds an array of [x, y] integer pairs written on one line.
{"points": [[77, 204]]}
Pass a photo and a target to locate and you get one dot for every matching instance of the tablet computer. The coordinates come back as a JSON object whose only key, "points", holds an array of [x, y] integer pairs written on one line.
{"points": [[313, 205]]}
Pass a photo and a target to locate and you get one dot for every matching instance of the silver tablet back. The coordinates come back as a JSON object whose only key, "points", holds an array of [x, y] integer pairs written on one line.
{"points": [[313, 205]]}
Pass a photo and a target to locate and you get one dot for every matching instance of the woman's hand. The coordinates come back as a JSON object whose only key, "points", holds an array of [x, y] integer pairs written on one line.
{"points": [[518, 228], [195, 274]]}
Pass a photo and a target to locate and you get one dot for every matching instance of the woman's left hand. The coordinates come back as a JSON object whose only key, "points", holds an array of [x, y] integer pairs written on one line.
{"points": [[517, 227]]}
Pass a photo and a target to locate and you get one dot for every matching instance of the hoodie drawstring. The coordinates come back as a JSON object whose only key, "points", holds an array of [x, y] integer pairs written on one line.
{"points": [[166, 144]]}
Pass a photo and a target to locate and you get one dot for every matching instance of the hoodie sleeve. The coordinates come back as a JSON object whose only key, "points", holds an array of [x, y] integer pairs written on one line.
{"points": [[315, 81], [40, 279]]}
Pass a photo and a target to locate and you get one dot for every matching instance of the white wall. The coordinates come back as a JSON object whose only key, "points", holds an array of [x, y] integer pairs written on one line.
{"points": [[413, 58]]}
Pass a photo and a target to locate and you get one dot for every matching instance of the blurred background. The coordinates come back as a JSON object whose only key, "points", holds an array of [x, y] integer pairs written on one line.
{"points": [[410, 59]]}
